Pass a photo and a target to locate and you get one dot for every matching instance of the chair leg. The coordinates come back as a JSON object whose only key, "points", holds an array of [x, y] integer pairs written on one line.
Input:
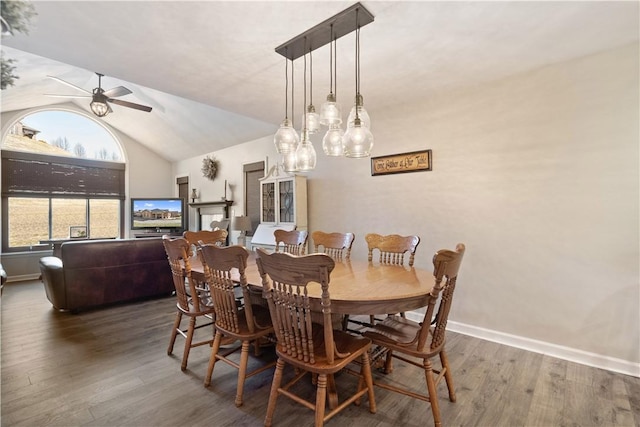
{"points": [[345, 322], [388, 362], [273, 395], [365, 372], [447, 375], [174, 332], [212, 359], [321, 399], [187, 344], [433, 396], [242, 372]]}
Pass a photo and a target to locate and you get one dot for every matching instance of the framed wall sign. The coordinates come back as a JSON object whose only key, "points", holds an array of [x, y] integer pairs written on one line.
{"points": [[415, 161]]}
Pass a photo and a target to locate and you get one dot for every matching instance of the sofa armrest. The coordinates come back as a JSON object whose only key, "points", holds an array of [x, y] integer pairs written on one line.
{"points": [[3, 277], [53, 278]]}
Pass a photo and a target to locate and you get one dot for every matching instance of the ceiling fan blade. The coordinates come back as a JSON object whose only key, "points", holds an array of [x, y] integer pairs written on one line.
{"points": [[67, 96], [69, 84], [117, 91], [130, 104]]}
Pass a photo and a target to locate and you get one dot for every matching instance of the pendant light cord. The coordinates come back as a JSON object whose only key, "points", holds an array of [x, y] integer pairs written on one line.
{"points": [[292, 94], [357, 63], [331, 62], [335, 67], [310, 77], [304, 83], [286, 86]]}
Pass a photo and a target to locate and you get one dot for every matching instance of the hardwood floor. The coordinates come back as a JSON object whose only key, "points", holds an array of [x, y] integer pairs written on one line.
{"points": [[109, 367]]}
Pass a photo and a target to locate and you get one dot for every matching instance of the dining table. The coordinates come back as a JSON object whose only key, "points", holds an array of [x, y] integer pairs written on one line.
{"points": [[356, 287]]}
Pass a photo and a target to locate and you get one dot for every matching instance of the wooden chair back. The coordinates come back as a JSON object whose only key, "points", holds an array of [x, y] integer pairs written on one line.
{"points": [[218, 263], [446, 264], [336, 245], [284, 279], [392, 247], [293, 242], [178, 253], [217, 237]]}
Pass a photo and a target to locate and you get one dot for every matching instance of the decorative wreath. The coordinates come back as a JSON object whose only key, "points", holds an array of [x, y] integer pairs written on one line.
{"points": [[209, 167]]}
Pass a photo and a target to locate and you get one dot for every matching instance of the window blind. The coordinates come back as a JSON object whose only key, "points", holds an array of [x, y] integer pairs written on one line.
{"points": [[31, 174]]}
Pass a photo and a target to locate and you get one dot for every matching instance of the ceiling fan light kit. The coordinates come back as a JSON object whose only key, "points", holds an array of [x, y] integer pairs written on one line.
{"points": [[100, 99], [298, 154]]}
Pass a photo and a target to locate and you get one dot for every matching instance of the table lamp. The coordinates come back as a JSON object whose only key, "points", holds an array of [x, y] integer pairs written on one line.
{"points": [[242, 224]]}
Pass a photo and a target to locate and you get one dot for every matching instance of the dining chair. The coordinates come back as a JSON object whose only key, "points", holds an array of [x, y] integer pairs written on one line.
{"points": [[248, 323], [218, 237], [336, 245], [192, 301], [293, 241], [392, 249], [418, 343], [195, 238], [309, 347]]}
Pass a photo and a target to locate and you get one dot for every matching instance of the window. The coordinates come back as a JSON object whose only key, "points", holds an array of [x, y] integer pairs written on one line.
{"points": [[52, 192]]}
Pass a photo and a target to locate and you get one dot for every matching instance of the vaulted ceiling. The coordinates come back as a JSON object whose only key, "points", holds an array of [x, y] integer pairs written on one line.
{"points": [[210, 71]]}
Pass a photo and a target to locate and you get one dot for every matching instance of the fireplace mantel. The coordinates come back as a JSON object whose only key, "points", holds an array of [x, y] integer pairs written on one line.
{"points": [[203, 206]]}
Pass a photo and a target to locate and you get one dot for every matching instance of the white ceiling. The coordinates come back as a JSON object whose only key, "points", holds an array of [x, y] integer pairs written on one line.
{"points": [[210, 72]]}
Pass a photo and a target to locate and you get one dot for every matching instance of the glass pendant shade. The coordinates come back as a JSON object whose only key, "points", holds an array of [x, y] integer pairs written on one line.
{"points": [[330, 112], [99, 108], [305, 154], [362, 113], [286, 138], [358, 140], [311, 120], [332, 141], [289, 162]]}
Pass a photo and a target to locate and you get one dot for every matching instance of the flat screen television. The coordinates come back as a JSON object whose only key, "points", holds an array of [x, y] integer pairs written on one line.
{"points": [[159, 214]]}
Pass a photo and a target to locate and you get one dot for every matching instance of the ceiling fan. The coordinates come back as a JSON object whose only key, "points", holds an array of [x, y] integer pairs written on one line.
{"points": [[101, 98]]}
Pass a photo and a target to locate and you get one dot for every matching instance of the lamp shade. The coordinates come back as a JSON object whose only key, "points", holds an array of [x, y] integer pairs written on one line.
{"points": [[286, 138], [242, 223], [358, 140], [332, 141], [99, 108]]}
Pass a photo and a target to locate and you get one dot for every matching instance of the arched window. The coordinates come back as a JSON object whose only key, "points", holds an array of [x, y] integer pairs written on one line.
{"points": [[62, 178]]}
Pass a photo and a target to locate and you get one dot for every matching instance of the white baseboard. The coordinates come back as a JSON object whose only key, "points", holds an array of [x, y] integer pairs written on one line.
{"points": [[561, 352], [33, 276]]}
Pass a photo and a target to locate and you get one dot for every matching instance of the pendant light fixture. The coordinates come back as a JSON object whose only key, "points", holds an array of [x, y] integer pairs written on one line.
{"points": [[286, 139], [330, 112], [311, 118], [358, 140], [305, 154]]}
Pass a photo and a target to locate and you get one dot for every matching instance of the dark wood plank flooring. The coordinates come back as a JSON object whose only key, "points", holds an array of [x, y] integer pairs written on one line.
{"points": [[109, 367]]}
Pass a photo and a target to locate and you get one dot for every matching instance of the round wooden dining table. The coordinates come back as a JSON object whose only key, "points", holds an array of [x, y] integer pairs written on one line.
{"points": [[359, 287], [355, 288]]}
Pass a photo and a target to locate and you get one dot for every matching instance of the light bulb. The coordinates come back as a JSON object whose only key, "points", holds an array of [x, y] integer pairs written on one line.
{"points": [[358, 140], [289, 162], [305, 154], [332, 141], [362, 113], [311, 120], [330, 113], [286, 139]]}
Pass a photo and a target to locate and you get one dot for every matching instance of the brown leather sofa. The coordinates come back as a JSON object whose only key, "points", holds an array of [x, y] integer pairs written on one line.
{"points": [[94, 273]]}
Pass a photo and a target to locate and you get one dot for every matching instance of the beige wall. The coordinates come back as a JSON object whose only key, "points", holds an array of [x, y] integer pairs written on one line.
{"points": [[537, 174]]}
